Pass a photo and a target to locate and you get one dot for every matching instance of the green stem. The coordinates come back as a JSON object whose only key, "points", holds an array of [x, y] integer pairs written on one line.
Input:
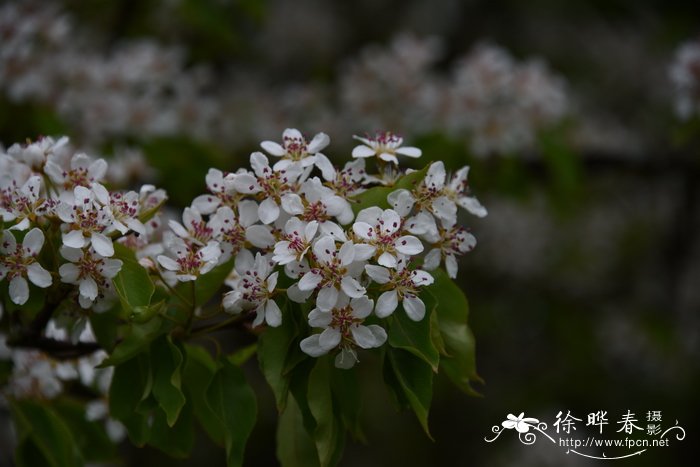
{"points": [[217, 326]]}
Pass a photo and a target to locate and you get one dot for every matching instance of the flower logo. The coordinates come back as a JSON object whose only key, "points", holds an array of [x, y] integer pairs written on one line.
{"points": [[522, 425]]}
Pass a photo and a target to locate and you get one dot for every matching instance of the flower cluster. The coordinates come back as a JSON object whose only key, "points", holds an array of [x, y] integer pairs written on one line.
{"points": [[48, 190], [292, 213], [685, 77]]}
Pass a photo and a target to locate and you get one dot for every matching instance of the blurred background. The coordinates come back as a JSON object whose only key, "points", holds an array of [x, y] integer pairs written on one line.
{"points": [[580, 121]]}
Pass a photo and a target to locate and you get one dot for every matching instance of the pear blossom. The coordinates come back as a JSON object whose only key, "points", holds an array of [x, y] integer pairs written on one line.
{"points": [[83, 171], [18, 263], [384, 145], [90, 271], [381, 229], [333, 273], [342, 327], [297, 237], [189, 260], [36, 154], [274, 186], [23, 204], [125, 208], [255, 291], [295, 149], [193, 228], [449, 244], [86, 220], [322, 203], [234, 232], [345, 182], [403, 285], [221, 189]]}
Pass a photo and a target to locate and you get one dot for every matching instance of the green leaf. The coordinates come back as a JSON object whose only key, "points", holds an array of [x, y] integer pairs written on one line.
{"points": [[131, 384], [133, 284], [138, 337], [414, 337], [348, 400], [166, 362], [328, 435], [234, 403], [377, 196], [295, 447], [273, 349], [240, 356], [104, 325], [175, 440], [412, 383], [39, 426], [90, 436], [198, 371], [452, 311]]}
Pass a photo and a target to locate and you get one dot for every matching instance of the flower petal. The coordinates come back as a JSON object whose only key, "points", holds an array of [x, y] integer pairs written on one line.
{"points": [[19, 290], [414, 306], [38, 275], [386, 303]]}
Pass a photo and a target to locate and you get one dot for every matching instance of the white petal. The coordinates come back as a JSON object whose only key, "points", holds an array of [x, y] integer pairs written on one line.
{"points": [[9, 244], [363, 151], [102, 244], [432, 259], [33, 242], [97, 169], [206, 204], [260, 164], [19, 290], [38, 275], [101, 193], [320, 319], [74, 239], [71, 254], [408, 245], [364, 337], [421, 278], [351, 287], [310, 346], [451, 266], [111, 268], [402, 201], [436, 175], [309, 281], [472, 205], [329, 338], [386, 303], [346, 358], [361, 307], [363, 252], [364, 230], [414, 306], [391, 221], [268, 211], [292, 204], [385, 156], [259, 236], [88, 288], [379, 334], [327, 298], [324, 248], [370, 215], [273, 314], [378, 274], [318, 143], [346, 254], [247, 212], [168, 263], [246, 183], [328, 172], [273, 148], [334, 230], [409, 151], [387, 259]]}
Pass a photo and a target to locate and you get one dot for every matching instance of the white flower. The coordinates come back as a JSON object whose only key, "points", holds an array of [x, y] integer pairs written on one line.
{"points": [[333, 272], [23, 204], [322, 203], [125, 209], [346, 182], [449, 244], [90, 271], [190, 260], [255, 290], [193, 227], [457, 189], [18, 262], [343, 328], [297, 236], [86, 220], [274, 187], [295, 149], [36, 154], [385, 146], [403, 285], [221, 187], [381, 229], [232, 232], [83, 171]]}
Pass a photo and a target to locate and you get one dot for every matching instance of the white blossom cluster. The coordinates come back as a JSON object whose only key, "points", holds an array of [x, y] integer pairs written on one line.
{"points": [[140, 88], [500, 103], [685, 78], [293, 214], [46, 188]]}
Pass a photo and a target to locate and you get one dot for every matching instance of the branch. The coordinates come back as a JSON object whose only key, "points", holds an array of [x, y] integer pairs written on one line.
{"points": [[59, 350]]}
